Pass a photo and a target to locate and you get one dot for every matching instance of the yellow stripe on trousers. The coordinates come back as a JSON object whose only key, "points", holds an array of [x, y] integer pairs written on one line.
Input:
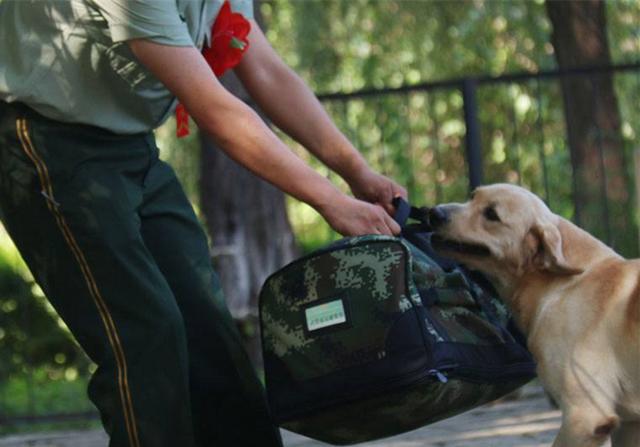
{"points": [[110, 328]]}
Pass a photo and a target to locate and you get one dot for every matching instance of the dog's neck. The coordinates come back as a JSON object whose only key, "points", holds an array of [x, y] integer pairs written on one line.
{"points": [[531, 289]]}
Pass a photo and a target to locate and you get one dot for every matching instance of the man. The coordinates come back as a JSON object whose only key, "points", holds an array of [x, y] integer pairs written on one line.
{"points": [[104, 225]]}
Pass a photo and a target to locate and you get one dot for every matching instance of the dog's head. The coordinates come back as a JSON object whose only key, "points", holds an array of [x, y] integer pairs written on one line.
{"points": [[503, 231]]}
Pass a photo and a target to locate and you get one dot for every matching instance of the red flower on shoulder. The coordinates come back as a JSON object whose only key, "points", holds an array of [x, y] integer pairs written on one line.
{"points": [[228, 43], [228, 40]]}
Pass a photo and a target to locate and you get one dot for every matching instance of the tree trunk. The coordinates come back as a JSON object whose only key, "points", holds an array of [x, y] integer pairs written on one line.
{"points": [[250, 232], [603, 202]]}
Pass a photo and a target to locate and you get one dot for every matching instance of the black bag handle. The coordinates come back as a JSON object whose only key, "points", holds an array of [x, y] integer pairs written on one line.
{"points": [[404, 212]]}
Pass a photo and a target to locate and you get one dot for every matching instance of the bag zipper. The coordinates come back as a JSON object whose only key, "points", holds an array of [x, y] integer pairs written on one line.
{"points": [[440, 375]]}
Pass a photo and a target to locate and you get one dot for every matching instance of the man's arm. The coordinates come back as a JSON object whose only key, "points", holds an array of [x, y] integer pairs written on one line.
{"points": [[245, 138], [293, 107]]}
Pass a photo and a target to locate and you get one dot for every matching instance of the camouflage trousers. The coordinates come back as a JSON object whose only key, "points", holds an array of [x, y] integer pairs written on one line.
{"points": [[110, 237]]}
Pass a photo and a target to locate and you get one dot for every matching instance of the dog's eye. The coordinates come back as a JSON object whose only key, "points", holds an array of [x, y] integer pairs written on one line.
{"points": [[491, 214]]}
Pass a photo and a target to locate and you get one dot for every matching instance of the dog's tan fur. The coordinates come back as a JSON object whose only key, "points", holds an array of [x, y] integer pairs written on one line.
{"points": [[577, 301]]}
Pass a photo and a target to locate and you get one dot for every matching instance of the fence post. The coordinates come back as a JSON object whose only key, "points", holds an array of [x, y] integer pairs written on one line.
{"points": [[472, 135]]}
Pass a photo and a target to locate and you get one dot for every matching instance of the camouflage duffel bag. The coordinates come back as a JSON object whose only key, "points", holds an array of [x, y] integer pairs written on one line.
{"points": [[371, 337]]}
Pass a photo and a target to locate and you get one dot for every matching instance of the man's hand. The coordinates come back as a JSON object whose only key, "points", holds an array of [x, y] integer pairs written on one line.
{"points": [[372, 187], [352, 217]]}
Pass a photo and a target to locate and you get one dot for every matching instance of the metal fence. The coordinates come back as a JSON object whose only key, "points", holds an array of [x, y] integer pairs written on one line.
{"points": [[439, 139], [442, 139]]}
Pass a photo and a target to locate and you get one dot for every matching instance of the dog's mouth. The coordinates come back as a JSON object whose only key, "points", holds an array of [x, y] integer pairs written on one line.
{"points": [[440, 243]]}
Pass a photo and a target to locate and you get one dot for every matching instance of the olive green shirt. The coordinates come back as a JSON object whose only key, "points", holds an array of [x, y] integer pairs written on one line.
{"points": [[68, 59]]}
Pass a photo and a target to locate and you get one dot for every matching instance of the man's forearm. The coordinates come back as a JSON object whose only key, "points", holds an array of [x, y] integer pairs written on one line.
{"points": [[246, 139], [293, 107], [252, 144], [235, 126]]}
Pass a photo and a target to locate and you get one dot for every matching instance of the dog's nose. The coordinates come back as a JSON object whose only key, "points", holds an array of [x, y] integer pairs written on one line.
{"points": [[437, 217]]}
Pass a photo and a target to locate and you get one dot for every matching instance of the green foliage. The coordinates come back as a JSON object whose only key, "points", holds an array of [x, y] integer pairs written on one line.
{"points": [[339, 45], [183, 154], [41, 369], [37, 394], [31, 334], [346, 45]]}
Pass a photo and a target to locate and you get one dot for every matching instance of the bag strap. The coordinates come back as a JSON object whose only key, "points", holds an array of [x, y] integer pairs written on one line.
{"points": [[404, 212]]}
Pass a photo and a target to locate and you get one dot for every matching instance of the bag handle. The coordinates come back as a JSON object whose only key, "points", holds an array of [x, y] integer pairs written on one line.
{"points": [[404, 212]]}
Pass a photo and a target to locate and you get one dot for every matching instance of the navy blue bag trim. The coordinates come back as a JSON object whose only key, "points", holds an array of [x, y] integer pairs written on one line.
{"points": [[292, 399], [486, 364]]}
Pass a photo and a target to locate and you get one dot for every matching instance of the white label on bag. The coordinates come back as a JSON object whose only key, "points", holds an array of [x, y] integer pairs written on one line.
{"points": [[325, 315]]}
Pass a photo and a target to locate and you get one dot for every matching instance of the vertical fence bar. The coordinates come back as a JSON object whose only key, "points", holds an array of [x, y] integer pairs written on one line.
{"points": [[472, 134], [381, 119], [411, 179], [541, 153], [436, 148], [636, 154], [516, 141], [332, 109]]}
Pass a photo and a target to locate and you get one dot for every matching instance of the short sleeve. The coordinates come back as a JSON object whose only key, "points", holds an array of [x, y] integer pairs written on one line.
{"points": [[244, 7], [156, 20]]}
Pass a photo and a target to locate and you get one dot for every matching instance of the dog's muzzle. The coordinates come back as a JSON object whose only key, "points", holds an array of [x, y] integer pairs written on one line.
{"points": [[439, 216], [442, 244]]}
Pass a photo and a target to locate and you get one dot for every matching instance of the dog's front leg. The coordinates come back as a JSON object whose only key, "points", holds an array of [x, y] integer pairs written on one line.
{"points": [[586, 427], [628, 435]]}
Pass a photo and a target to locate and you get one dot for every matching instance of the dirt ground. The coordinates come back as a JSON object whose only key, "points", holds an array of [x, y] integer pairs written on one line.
{"points": [[527, 422]]}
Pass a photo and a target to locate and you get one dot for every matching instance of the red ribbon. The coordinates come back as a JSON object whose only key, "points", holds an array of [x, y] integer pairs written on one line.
{"points": [[228, 44]]}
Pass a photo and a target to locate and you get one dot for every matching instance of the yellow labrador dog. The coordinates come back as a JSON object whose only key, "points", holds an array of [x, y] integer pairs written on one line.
{"points": [[577, 301]]}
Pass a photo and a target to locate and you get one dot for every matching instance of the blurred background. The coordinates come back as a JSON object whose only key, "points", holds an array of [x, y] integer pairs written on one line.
{"points": [[440, 95]]}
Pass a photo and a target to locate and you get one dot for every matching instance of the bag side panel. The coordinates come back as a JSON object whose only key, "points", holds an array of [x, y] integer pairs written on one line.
{"points": [[366, 280]]}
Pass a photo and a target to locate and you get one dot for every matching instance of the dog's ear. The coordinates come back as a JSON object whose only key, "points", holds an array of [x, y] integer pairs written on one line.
{"points": [[544, 241]]}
